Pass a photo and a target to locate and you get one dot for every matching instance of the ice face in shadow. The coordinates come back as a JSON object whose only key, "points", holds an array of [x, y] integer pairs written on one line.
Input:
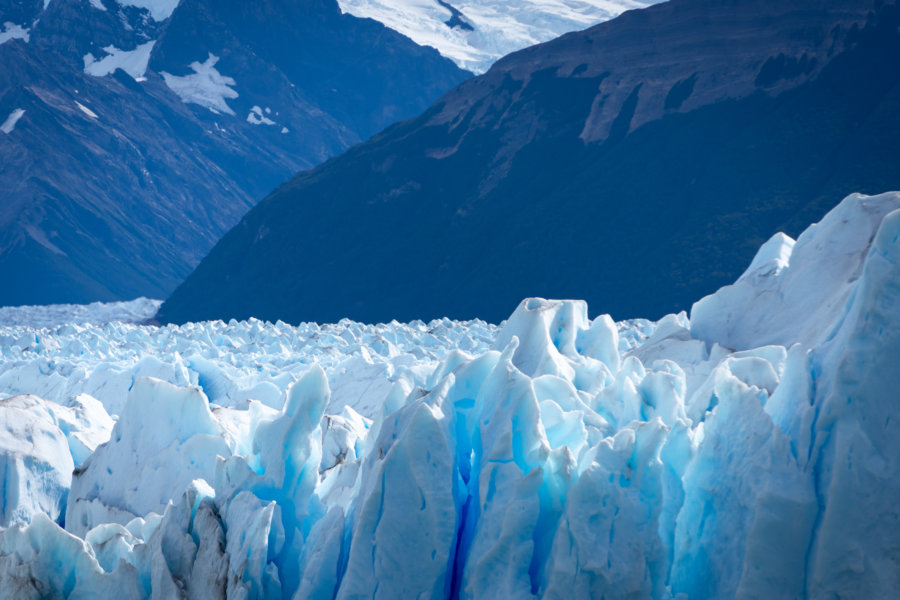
{"points": [[559, 456]]}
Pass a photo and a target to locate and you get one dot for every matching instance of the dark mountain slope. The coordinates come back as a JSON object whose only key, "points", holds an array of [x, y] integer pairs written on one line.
{"points": [[638, 164], [115, 184], [357, 71]]}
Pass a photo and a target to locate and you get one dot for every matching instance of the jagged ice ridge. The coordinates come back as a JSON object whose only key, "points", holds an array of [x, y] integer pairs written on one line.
{"points": [[750, 450], [96, 313]]}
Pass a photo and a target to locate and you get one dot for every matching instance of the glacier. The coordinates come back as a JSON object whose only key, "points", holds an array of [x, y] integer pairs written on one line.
{"points": [[747, 449], [96, 313], [476, 33]]}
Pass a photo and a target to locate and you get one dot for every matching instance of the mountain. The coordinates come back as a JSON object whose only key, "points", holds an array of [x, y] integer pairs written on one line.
{"points": [[135, 133], [749, 451], [475, 33], [637, 164]]}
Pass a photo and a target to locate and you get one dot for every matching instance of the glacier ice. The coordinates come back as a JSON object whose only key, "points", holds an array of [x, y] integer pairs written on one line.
{"points": [[474, 34], [787, 295], [165, 438], [747, 451], [97, 313], [35, 463]]}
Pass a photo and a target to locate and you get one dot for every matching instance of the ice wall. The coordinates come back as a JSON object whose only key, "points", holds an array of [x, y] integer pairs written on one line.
{"points": [[750, 451]]}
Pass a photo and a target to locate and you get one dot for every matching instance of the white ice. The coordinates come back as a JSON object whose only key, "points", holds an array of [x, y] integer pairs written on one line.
{"points": [[10, 123], [256, 116], [86, 110], [11, 31], [96, 313], [499, 26], [556, 456], [134, 62], [786, 296], [206, 86], [159, 10]]}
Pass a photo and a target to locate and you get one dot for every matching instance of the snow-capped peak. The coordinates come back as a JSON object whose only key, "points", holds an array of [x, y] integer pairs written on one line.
{"points": [[475, 33], [159, 10]]}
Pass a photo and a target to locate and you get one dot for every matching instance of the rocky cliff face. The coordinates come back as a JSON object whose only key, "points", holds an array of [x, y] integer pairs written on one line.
{"points": [[682, 55], [637, 164], [133, 136]]}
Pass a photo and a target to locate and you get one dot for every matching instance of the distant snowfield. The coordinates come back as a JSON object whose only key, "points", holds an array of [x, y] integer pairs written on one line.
{"points": [[257, 116], [11, 31], [134, 62], [554, 456], [10, 123], [484, 30], [495, 27], [205, 86], [159, 10]]}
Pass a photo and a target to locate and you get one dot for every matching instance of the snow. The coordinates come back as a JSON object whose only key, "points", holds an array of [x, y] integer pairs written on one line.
{"points": [[159, 10], [206, 86], [134, 62], [257, 117], [97, 313], [10, 123], [86, 110], [11, 31], [496, 27], [741, 452]]}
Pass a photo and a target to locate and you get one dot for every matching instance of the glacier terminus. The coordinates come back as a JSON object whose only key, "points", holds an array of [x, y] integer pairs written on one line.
{"points": [[748, 449]]}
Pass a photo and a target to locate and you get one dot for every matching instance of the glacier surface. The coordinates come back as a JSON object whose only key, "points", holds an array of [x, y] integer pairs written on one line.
{"points": [[475, 33], [96, 313], [750, 450]]}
